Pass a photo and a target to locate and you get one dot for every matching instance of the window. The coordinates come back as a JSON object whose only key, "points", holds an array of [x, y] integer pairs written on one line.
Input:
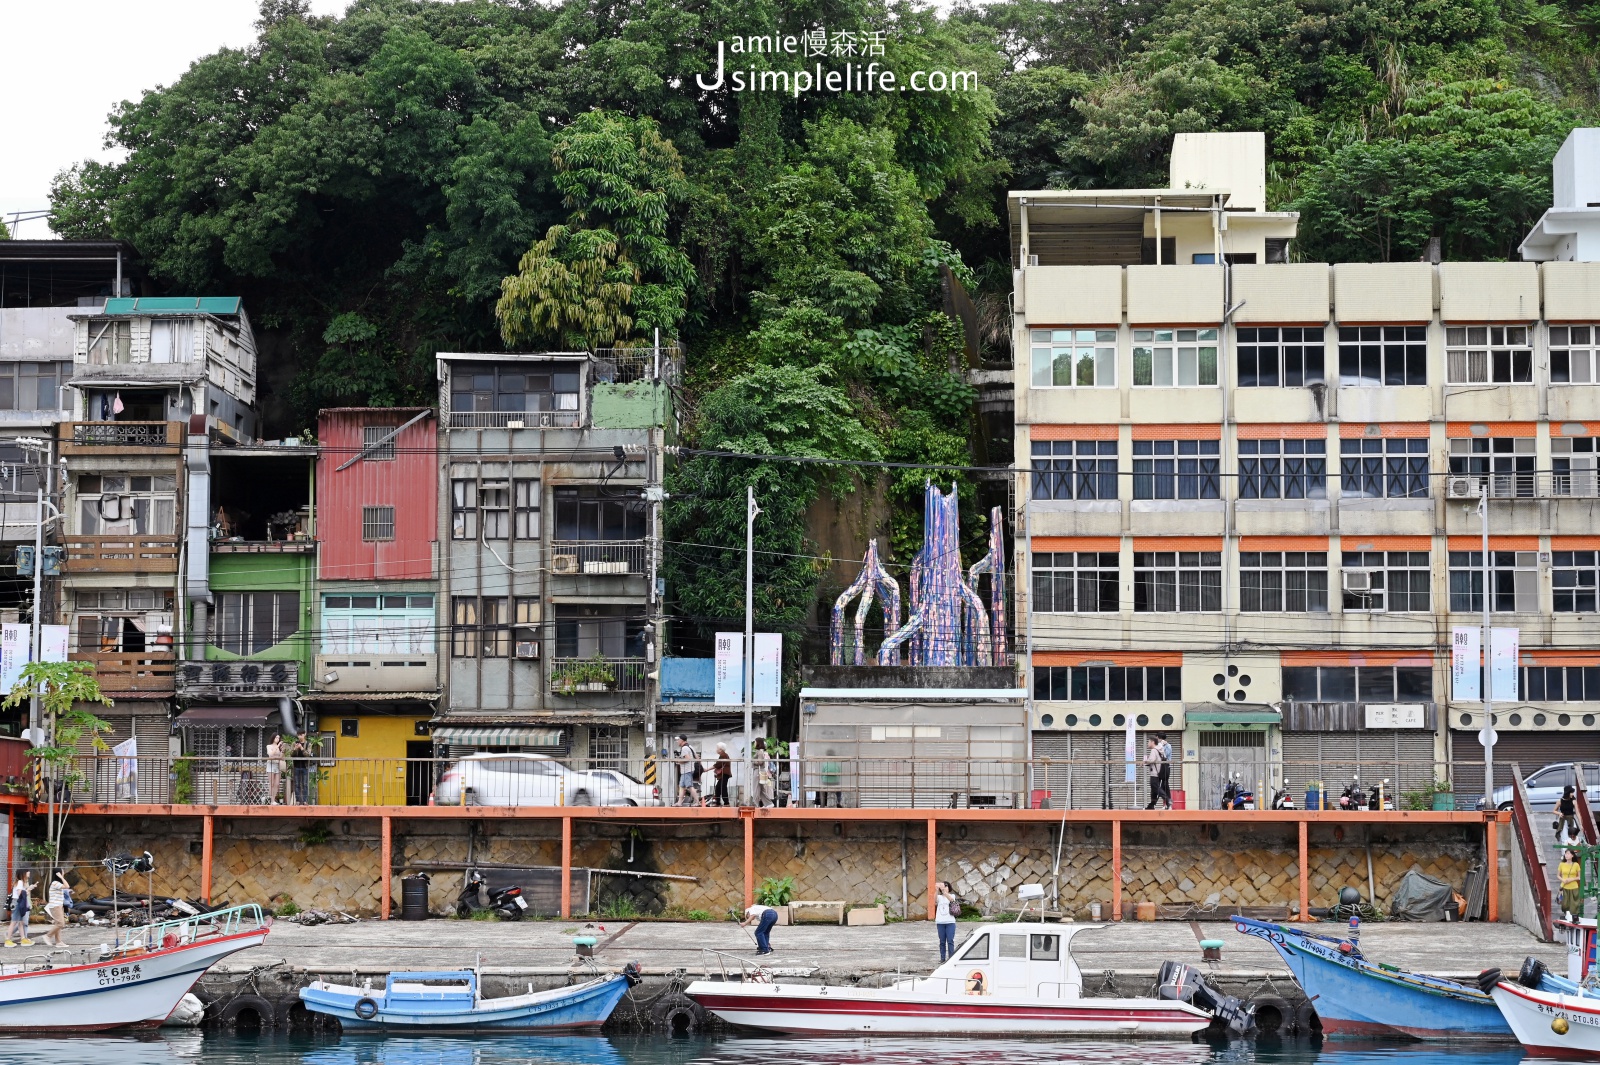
{"points": [[464, 627], [494, 497], [172, 340], [1084, 582], [525, 634], [1506, 461], [370, 435], [1075, 469], [1182, 581], [19, 471], [608, 747], [110, 343], [1063, 358], [1392, 581], [1133, 684], [401, 625], [525, 503], [32, 385], [1177, 469], [977, 950], [1575, 576], [1164, 358], [1375, 355], [1484, 354], [1562, 684], [480, 627], [123, 504], [377, 523], [488, 387], [1573, 461], [1273, 582], [1384, 467], [1273, 357], [1514, 576], [248, 623], [119, 620], [1013, 946], [495, 612], [463, 510], [1353, 684], [1572, 354], [1283, 469], [607, 631], [592, 512], [1044, 948]]}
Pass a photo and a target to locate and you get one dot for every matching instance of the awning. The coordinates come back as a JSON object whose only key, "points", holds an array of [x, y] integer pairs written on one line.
{"points": [[368, 697], [1218, 716], [226, 717], [504, 736]]}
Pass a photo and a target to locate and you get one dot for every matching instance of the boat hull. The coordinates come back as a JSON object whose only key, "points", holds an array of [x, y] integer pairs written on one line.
{"points": [[1531, 1013], [585, 1007], [804, 1009], [138, 991], [1357, 999]]}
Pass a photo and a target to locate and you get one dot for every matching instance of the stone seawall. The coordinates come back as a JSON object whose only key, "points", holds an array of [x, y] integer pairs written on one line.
{"points": [[335, 864]]}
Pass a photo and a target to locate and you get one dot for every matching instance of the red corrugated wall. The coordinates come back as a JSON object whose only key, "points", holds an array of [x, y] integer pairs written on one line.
{"points": [[408, 482]]}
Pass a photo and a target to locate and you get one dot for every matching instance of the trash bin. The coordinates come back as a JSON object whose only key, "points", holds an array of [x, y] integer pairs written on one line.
{"points": [[414, 898]]}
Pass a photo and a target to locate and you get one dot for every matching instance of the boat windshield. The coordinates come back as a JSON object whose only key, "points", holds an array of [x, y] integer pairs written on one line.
{"points": [[978, 949]]}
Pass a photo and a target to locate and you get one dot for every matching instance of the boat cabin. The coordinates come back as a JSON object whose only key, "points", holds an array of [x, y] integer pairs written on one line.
{"points": [[420, 992], [1030, 959]]}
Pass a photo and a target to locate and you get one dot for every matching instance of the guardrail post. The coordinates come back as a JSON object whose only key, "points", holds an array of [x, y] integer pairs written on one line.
{"points": [[1491, 846], [566, 866], [388, 863], [1116, 867], [1305, 869], [747, 815], [933, 868], [207, 829]]}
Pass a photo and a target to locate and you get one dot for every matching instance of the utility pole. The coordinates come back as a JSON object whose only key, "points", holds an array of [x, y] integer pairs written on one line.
{"points": [[750, 512], [41, 448], [1487, 735]]}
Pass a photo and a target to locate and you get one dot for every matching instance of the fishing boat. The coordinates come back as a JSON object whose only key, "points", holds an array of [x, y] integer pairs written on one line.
{"points": [[451, 1001], [1357, 997], [1554, 1016], [134, 983], [1008, 979]]}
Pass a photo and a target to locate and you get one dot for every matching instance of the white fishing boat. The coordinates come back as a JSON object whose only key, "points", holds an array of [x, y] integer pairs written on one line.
{"points": [[1552, 1016], [1006, 980], [135, 982]]}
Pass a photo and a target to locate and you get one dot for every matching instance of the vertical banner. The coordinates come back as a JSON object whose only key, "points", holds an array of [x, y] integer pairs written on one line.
{"points": [[1130, 753], [1466, 663], [1503, 658], [767, 690], [52, 643], [13, 655], [730, 669]]}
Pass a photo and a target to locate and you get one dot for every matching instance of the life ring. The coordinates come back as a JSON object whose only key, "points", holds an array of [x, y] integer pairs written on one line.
{"points": [[975, 982], [365, 1008]]}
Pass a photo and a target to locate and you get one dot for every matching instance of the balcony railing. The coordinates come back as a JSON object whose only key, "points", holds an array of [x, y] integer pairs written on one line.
{"points": [[144, 671], [1583, 484], [505, 419], [598, 557], [621, 366], [164, 435], [584, 676], [263, 547], [121, 553], [239, 678]]}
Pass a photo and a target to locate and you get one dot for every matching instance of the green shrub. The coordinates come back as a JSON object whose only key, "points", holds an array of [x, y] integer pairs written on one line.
{"points": [[774, 892]]}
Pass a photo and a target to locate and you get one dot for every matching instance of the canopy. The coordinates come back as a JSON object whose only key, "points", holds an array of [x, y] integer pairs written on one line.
{"points": [[226, 717], [497, 736]]}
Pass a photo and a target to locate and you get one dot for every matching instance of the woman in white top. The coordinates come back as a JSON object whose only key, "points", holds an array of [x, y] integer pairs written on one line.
{"points": [[274, 768], [56, 908], [944, 920]]}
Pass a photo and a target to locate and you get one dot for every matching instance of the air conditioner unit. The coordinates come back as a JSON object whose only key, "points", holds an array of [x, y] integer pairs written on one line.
{"points": [[527, 649], [1358, 580], [566, 564], [1461, 488]]}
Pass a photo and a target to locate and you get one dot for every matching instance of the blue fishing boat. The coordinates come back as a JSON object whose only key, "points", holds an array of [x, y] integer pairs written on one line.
{"points": [[1360, 998], [450, 1002]]}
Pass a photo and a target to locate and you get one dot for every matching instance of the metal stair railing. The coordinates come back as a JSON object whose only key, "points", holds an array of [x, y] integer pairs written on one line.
{"points": [[1533, 856]]}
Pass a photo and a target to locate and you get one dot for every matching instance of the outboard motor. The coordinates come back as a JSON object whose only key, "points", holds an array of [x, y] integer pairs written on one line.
{"points": [[1183, 983]]}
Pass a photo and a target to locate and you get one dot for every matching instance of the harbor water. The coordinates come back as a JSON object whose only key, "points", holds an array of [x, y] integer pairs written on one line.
{"points": [[209, 1048]]}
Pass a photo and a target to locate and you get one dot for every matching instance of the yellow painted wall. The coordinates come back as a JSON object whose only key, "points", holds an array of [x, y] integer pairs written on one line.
{"points": [[369, 767]]}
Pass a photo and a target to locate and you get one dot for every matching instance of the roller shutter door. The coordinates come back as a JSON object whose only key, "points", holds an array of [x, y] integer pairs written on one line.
{"points": [[1086, 771], [1404, 758], [1529, 750]]}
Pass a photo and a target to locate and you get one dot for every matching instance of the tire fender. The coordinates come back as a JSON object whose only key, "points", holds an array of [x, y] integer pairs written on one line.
{"points": [[229, 1015], [291, 1015], [1273, 1014], [678, 1014], [1306, 1020]]}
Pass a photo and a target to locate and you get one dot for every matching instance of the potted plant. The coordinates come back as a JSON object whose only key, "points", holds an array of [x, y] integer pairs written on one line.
{"points": [[584, 675]]}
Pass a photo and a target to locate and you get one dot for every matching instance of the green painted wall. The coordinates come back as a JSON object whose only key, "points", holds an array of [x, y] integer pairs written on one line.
{"points": [[640, 405], [272, 573]]}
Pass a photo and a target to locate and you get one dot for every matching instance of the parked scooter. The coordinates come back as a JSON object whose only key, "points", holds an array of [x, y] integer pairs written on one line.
{"points": [[506, 903], [1352, 798], [1236, 796], [1282, 800], [1380, 793]]}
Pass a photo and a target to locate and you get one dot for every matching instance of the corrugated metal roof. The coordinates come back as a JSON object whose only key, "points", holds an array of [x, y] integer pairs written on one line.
{"points": [[173, 305]]}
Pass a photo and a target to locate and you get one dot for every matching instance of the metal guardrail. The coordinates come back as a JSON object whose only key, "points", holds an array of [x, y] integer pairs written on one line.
{"points": [[582, 676], [598, 557], [505, 419], [123, 434], [1582, 484]]}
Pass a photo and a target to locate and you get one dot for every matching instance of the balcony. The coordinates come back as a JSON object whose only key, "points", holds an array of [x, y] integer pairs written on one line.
{"points": [[506, 419], [146, 672], [598, 557], [1579, 484], [121, 438], [216, 680], [263, 547], [120, 553], [585, 676]]}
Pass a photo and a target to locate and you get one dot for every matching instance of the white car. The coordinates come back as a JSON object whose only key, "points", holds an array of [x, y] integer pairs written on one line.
{"points": [[491, 779], [636, 791]]}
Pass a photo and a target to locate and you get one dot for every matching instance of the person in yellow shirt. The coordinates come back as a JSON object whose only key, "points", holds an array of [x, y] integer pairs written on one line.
{"points": [[1569, 873]]}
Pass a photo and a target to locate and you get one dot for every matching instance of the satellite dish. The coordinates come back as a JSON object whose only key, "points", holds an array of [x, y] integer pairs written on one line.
{"points": [[1488, 737]]}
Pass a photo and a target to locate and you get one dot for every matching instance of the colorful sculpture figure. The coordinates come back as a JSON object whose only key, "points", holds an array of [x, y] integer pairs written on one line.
{"points": [[873, 580]]}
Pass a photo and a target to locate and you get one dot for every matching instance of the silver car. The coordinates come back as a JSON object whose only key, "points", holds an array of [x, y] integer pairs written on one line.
{"points": [[490, 779], [1545, 786], [635, 792]]}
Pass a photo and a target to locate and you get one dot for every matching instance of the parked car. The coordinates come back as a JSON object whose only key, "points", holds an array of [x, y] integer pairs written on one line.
{"points": [[490, 779], [1545, 785], [635, 791]]}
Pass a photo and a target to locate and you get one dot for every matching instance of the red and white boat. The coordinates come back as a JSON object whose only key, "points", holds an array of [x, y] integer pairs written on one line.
{"points": [[1005, 980], [136, 984]]}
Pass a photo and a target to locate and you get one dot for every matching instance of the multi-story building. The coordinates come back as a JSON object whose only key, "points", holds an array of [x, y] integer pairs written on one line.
{"points": [[549, 526], [1251, 486]]}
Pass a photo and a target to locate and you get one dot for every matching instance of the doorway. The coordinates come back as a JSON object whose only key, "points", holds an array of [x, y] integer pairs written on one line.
{"points": [[419, 771], [1223, 753]]}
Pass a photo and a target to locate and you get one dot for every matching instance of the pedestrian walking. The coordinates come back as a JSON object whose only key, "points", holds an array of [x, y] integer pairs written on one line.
{"points": [[1567, 814], [1570, 874], [274, 769], [688, 779], [20, 905], [944, 921], [55, 907], [721, 774], [763, 917], [761, 771], [1166, 769], [1152, 767]]}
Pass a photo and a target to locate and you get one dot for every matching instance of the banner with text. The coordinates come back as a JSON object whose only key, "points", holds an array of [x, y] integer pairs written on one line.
{"points": [[1466, 663], [767, 689], [1503, 657], [730, 669]]}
